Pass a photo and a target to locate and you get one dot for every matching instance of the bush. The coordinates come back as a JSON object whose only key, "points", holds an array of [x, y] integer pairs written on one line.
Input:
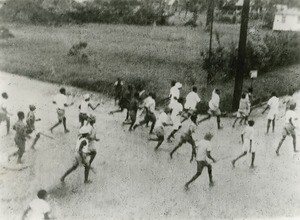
{"points": [[263, 53], [5, 33]]}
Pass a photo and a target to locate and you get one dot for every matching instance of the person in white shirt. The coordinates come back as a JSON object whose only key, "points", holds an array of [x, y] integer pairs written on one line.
{"points": [[248, 146], [39, 208], [159, 128], [214, 109], [273, 105], [177, 109], [81, 155], [243, 111], [149, 105], [92, 138], [61, 102], [174, 94], [118, 90], [291, 121], [84, 109], [203, 149], [192, 99], [4, 114]]}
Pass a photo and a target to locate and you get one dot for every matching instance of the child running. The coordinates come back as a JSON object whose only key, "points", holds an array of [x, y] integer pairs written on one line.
{"points": [[192, 99], [61, 102], [273, 105], [84, 108], [81, 153], [174, 93], [243, 111], [38, 208], [92, 138], [149, 105], [133, 108], [4, 114], [177, 109], [159, 129], [247, 141], [187, 137], [118, 90], [214, 109], [291, 121], [20, 137], [203, 149], [30, 121]]}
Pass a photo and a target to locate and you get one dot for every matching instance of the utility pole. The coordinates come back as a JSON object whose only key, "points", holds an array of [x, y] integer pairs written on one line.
{"points": [[209, 75], [240, 69]]}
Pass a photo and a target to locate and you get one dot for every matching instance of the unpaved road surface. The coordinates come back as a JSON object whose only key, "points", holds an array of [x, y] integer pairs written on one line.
{"points": [[134, 182]]}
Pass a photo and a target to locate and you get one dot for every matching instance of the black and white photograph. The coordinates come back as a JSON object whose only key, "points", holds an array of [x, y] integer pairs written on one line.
{"points": [[149, 109]]}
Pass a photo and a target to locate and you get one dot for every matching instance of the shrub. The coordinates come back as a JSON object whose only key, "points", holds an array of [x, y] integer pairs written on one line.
{"points": [[5, 33]]}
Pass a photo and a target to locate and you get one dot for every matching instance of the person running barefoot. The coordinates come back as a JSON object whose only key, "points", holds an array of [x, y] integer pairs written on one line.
{"points": [[177, 109], [61, 102], [30, 121], [84, 109], [192, 100], [203, 149], [4, 114], [133, 108], [247, 141], [243, 111], [273, 105], [291, 120]]}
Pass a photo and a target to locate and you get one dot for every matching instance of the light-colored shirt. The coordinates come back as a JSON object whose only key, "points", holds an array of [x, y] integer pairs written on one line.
{"points": [[3, 105], [291, 115], [248, 133], [191, 101], [174, 93], [176, 109], [84, 107], [274, 104], [149, 103], [85, 147], [214, 102], [162, 119], [60, 100], [39, 208], [244, 105], [202, 147]]}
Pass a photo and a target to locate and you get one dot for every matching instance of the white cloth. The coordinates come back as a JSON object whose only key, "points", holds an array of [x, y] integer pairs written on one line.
{"points": [[116, 83], [176, 118], [84, 107], [92, 137], [248, 134], [202, 147], [174, 93], [191, 101], [291, 115], [85, 148], [3, 105], [60, 100], [162, 119], [39, 208], [149, 103], [274, 107], [214, 102]]}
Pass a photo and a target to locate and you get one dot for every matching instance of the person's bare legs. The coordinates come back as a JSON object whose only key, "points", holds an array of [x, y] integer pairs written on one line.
{"points": [[280, 144], [239, 157]]}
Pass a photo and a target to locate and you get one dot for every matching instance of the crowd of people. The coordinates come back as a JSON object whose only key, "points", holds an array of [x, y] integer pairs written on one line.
{"points": [[141, 109]]}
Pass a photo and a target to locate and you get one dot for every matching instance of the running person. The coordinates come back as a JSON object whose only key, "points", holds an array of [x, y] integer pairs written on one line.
{"points": [[174, 94], [248, 146], [81, 154], [20, 137], [38, 208], [273, 105], [84, 108], [149, 105], [92, 138], [177, 110], [214, 109], [186, 137], [133, 108], [192, 99], [289, 127], [4, 114], [118, 90], [243, 111], [30, 121], [61, 101], [160, 124], [203, 149]]}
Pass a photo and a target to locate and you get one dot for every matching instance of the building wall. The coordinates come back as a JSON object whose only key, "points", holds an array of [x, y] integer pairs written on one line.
{"points": [[286, 22]]}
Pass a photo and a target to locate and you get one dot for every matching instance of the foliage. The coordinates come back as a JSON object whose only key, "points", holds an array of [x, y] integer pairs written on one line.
{"points": [[5, 33]]}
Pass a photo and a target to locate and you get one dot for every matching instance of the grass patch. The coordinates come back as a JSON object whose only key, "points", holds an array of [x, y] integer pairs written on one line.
{"points": [[137, 54]]}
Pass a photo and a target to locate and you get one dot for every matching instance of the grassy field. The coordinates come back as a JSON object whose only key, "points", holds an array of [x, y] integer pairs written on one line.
{"points": [[152, 55]]}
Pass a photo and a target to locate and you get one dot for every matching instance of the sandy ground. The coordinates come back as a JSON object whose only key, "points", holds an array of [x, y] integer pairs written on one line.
{"points": [[134, 182]]}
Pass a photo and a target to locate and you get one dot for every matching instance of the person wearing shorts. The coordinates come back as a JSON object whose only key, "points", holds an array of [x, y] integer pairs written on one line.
{"points": [[174, 94], [61, 101], [92, 138], [248, 146], [4, 114], [81, 155], [118, 90], [84, 109], [186, 137], [30, 121], [203, 150], [177, 109], [214, 109], [159, 128], [133, 108], [273, 105], [20, 137], [243, 111], [291, 121], [192, 99]]}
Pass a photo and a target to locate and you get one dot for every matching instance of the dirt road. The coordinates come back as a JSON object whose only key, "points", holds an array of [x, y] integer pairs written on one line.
{"points": [[134, 182]]}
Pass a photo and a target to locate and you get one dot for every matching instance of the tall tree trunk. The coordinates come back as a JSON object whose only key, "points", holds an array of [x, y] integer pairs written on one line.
{"points": [[209, 12], [240, 71]]}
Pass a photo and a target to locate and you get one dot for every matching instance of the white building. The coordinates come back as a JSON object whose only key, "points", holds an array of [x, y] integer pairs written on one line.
{"points": [[287, 20]]}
